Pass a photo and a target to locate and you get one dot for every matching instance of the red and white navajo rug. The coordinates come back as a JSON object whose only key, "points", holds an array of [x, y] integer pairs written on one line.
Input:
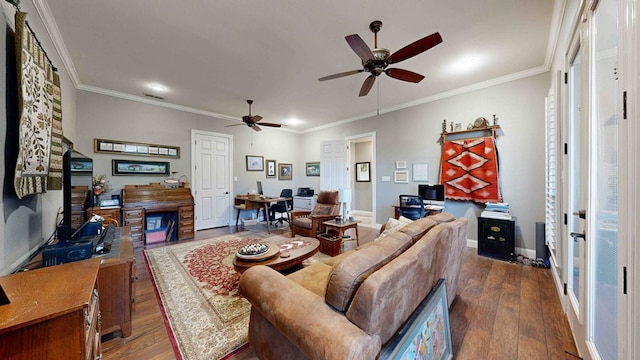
{"points": [[470, 170]]}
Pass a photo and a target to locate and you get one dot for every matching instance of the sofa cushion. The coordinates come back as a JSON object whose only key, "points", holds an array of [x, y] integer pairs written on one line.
{"points": [[348, 275], [418, 228], [313, 278], [442, 217], [302, 222]]}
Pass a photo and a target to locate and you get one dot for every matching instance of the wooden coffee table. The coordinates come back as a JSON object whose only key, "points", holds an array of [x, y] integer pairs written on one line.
{"points": [[297, 248]]}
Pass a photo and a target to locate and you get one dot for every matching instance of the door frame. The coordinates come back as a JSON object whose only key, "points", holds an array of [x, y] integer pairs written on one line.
{"points": [[371, 136], [195, 132]]}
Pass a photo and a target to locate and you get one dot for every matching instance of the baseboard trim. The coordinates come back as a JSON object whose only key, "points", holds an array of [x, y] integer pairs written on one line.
{"points": [[531, 254]]}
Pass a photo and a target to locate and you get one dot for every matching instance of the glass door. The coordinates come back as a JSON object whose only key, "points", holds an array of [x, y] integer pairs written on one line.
{"points": [[603, 242]]}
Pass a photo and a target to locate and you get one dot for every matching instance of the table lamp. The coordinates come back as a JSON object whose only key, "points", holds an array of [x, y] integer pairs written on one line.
{"points": [[344, 196]]}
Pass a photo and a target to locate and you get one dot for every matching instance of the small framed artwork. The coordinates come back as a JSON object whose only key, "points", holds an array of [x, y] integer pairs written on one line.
{"points": [[285, 171], [421, 172], [313, 169], [401, 176], [401, 164], [128, 167], [255, 163], [271, 168], [426, 335], [135, 148], [363, 171]]}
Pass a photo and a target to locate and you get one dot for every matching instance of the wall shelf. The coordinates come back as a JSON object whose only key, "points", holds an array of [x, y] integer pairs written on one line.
{"points": [[490, 128]]}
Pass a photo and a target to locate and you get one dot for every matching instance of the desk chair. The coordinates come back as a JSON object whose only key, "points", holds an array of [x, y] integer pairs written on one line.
{"points": [[411, 207], [282, 207]]}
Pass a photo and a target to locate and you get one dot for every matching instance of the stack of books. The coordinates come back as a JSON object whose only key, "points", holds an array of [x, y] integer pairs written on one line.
{"points": [[496, 210]]}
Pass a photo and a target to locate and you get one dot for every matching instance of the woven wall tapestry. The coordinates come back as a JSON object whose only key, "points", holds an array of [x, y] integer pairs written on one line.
{"points": [[39, 165], [470, 170]]}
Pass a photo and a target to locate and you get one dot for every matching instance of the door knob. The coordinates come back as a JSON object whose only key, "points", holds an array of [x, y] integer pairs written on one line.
{"points": [[576, 235], [582, 214]]}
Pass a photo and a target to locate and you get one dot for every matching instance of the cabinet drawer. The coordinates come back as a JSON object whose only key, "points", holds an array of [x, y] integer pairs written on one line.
{"points": [[133, 222], [134, 213]]}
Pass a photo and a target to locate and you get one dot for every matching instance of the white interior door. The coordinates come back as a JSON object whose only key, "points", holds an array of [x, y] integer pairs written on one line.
{"points": [[334, 165], [212, 176]]}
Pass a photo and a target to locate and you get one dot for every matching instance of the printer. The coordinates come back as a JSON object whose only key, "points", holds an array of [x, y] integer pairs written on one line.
{"points": [[305, 192]]}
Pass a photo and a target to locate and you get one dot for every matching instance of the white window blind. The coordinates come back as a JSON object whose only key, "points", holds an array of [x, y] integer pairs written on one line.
{"points": [[551, 149]]}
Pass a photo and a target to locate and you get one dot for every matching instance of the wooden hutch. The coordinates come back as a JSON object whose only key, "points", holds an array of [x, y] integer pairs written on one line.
{"points": [[138, 201]]}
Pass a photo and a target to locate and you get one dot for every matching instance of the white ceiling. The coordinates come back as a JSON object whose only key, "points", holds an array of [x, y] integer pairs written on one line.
{"points": [[214, 54]]}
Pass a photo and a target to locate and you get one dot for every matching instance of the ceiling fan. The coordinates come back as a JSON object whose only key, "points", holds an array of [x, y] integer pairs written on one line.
{"points": [[252, 120], [376, 61]]}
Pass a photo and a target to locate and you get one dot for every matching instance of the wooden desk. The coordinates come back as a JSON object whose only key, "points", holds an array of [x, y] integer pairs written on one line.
{"points": [[246, 202], [139, 200], [428, 211]]}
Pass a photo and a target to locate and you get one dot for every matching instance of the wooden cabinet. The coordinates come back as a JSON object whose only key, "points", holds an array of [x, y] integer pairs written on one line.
{"points": [[134, 218], [53, 314], [79, 197], [186, 226], [116, 285], [106, 214]]}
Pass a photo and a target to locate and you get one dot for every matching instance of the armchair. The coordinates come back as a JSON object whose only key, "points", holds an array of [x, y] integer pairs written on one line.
{"points": [[411, 207], [310, 223]]}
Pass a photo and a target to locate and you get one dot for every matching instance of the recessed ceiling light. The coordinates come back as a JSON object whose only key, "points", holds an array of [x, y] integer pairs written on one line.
{"points": [[466, 64], [292, 121], [157, 87]]}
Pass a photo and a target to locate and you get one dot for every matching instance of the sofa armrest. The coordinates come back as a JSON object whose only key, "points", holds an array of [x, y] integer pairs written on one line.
{"points": [[304, 318]]}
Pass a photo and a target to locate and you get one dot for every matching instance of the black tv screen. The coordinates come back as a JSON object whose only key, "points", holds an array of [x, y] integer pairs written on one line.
{"points": [[431, 192], [77, 173]]}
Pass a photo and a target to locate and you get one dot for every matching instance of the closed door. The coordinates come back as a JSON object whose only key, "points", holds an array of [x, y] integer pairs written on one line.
{"points": [[334, 165], [211, 179]]}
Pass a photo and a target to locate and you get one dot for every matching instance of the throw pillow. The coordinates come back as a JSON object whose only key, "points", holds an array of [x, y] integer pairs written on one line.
{"points": [[394, 225]]}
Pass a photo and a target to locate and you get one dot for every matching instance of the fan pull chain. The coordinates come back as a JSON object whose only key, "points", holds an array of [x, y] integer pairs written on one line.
{"points": [[378, 99]]}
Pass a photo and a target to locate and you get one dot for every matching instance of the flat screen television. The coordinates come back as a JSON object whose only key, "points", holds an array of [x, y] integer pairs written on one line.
{"points": [[432, 193], [77, 182]]}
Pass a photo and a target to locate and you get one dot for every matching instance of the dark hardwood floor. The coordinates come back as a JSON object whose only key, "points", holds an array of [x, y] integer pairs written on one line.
{"points": [[502, 311]]}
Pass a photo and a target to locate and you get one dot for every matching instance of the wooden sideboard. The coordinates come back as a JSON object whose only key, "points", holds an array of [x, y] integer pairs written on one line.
{"points": [[116, 285], [140, 200], [53, 314]]}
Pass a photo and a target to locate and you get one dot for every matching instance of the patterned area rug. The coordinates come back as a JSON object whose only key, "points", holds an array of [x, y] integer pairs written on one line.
{"points": [[197, 290]]}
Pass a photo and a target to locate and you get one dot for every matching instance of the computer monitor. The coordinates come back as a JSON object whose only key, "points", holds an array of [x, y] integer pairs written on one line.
{"points": [[260, 188], [432, 194]]}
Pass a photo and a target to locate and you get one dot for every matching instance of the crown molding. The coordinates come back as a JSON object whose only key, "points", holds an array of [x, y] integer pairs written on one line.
{"points": [[42, 7]]}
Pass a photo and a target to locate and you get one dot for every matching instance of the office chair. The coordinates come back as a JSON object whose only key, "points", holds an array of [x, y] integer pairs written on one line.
{"points": [[411, 207], [281, 207]]}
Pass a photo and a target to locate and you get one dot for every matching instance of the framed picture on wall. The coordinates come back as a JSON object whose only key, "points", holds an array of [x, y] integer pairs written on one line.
{"points": [[271, 168], [285, 171], [421, 172], [427, 334], [313, 168], [401, 176], [255, 163], [130, 167], [363, 171]]}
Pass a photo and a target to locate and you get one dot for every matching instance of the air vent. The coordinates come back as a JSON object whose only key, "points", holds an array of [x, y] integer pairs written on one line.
{"points": [[154, 96]]}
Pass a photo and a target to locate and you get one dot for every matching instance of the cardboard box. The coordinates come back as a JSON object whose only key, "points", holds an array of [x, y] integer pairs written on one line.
{"points": [[156, 235]]}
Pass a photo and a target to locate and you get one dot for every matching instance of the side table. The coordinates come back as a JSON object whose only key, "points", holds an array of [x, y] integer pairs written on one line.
{"points": [[339, 227]]}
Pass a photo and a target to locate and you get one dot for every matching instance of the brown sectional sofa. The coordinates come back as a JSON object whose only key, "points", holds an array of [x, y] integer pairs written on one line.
{"points": [[350, 306]]}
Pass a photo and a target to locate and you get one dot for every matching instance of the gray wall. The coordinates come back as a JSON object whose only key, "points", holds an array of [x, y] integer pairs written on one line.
{"points": [[25, 223], [413, 134]]}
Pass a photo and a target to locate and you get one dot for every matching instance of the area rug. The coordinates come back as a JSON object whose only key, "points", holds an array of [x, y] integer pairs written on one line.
{"points": [[197, 290]]}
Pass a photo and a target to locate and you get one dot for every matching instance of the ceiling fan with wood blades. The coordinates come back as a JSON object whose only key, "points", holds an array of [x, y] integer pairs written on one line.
{"points": [[252, 120], [377, 60]]}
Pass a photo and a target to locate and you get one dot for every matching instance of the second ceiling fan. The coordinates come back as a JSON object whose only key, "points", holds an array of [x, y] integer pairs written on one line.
{"points": [[252, 120], [377, 60]]}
